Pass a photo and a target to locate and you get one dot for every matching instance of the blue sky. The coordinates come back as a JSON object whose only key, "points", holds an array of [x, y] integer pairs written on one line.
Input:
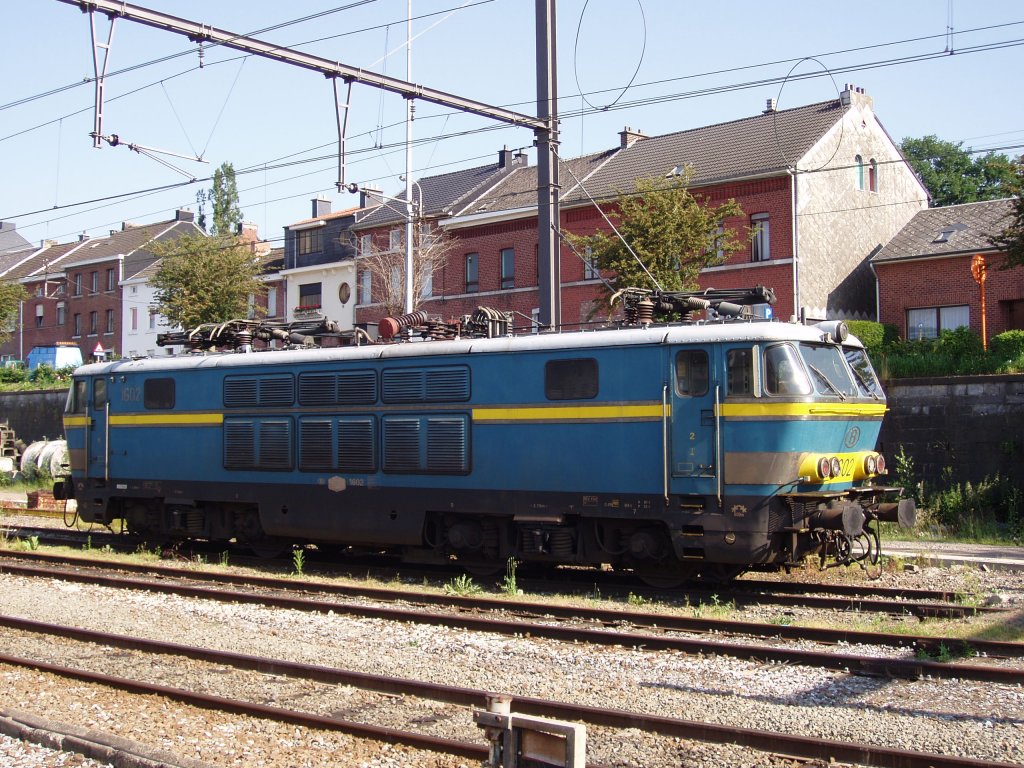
{"points": [[655, 65]]}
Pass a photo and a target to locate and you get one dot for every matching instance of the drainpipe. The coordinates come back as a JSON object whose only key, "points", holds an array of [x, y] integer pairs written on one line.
{"points": [[796, 241], [878, 293]]}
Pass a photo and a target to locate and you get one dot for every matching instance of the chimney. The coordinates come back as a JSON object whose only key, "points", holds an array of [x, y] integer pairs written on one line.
{"points": [[505, 157], [854, 95], [520, 158], [370, 196], [321, 207], [769, 107], [183, 214], [628, 137], [248, 232], [47, 243], [83, 237]]}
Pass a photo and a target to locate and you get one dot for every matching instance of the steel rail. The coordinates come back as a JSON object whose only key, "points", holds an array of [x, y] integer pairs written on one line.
{"points": [[266, 711], [739, 598], [871, 665], [605, 616], [769, 741]]}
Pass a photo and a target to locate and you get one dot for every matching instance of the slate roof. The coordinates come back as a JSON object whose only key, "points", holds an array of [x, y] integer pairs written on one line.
{"points": [[752, 146], [946, 231], [441, 194], [40, 261], [519, 190], [326, 217], [10, 240]]}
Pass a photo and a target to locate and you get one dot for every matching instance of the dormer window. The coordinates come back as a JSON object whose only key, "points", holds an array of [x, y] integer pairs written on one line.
{"points": [[947, 232]]}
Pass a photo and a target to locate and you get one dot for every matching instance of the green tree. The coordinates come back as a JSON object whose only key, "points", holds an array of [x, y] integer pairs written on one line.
{"points": [[11, 296], [223, 197], [673, 233], [952, 176], [1011, 239], [205, 279]]}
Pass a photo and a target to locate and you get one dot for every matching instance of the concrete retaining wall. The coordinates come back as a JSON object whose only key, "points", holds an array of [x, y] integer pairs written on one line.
{"points": [[34, 415], [972, 424]]}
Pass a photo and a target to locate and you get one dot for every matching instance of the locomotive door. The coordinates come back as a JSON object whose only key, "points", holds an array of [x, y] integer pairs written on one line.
{"points": [[99, 431], [694, 468]]}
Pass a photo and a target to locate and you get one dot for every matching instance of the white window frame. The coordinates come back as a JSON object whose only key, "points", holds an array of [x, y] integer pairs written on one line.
{"points": [[761, 242]]}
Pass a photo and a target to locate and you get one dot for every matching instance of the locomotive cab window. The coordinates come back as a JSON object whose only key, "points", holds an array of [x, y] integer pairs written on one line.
{"points": [[99, 393], [158, 394], [78, 397], [740, 370], [691, 372], [867, 382], [570, 379], [784, 373]]}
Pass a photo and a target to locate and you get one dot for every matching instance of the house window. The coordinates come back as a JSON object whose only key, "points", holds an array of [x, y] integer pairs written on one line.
{"points": [[309, 296], [308, 241], [366, 245], [60, 313], [39, 315], [272, 302], [93, 320], [761, 232], [508, 268], [94, 283], [873, 176], [152, 319], [426, 281], [426, 237], [110, 321], [929, 322], [78, 325], [78, 284], [365, 287], [133, 314], [858, 164], [396, 280], [472, 272], [395, 240], [590, 270], [110, 279]]}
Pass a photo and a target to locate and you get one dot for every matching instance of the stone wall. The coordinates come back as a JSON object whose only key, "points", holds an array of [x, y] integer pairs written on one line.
{"points": [[34, 415], [971, 424]]}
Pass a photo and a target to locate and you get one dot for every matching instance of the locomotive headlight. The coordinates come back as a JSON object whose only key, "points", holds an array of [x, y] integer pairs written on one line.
{"points": [[870, 464], [824, 468], [880, 464], [835, 468], [730, 538]]}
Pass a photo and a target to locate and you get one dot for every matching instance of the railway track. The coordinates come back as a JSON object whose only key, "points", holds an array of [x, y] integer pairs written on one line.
{"points": [[649, 631], [803, 747], [743, 593]]}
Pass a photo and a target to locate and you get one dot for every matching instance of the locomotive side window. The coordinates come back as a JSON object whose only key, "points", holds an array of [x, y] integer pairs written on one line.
{"points": [[570, 379], [740, 370], [158, 394], [691, 372], [783, 372], [99, 393]]}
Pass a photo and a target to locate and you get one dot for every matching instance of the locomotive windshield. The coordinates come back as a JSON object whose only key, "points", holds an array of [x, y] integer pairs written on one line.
{"points": [[867, 382], [829, 371]]}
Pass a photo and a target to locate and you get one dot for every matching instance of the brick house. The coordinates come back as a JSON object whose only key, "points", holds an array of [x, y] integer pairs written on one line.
{"points": [[318, 266], [925, 284], [823, 187], [76, 288]]}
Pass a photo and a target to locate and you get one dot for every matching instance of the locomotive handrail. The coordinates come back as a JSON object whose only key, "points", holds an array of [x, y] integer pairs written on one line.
{"points": [[664, 441]]}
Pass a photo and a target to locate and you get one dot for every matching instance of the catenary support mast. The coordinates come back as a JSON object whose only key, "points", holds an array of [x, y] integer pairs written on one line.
{"points": [[545, 125]]}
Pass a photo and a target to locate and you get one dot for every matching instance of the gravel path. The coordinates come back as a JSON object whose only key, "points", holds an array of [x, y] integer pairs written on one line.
{"points": [[977, 720]]}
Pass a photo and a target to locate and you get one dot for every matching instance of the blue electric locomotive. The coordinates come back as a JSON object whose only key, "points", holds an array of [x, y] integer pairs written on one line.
{"points": [[701, 448]]}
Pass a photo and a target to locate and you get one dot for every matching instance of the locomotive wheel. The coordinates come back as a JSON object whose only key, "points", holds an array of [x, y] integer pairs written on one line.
{"points": [[663, 576]]}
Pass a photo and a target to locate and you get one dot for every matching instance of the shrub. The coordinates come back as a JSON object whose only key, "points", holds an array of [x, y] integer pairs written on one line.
{"points": [[876, 337], [13, 374], [1008, 346]]}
